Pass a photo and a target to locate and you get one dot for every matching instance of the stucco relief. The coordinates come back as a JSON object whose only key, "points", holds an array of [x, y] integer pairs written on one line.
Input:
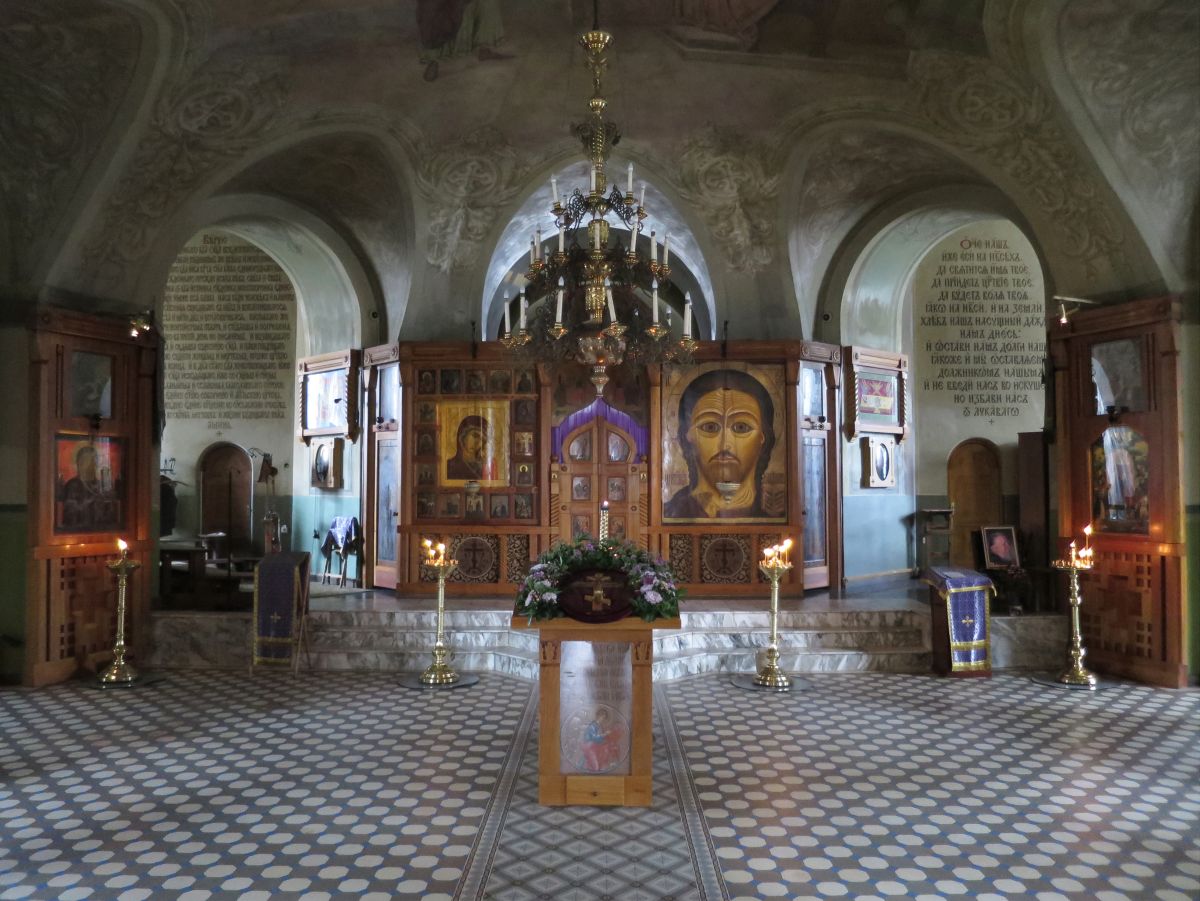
{"points": [[1137, 70], [984, 110], [63, 71], [211, 117], [466, 184], [733, 181]]}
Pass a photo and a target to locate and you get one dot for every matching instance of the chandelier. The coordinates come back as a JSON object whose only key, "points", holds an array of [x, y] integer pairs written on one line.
{"points": [[593, 291]]}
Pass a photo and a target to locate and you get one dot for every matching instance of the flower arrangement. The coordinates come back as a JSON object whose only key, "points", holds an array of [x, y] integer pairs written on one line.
{"points": [[655, 595]]}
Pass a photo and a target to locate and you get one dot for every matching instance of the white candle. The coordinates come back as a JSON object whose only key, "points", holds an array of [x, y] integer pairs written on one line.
{"points": [[507, 322], [654, 284], [642, 202], [554, 188], [562, 236], [593, 179], [524, 307], [667, 249], [653, 248], [532, 251], [596, 229], [558, 308], [612, 310], [687, 315], [539, 243], [629, 181]]}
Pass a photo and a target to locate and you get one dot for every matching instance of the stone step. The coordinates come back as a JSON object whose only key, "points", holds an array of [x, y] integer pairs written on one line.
{"points": [[893, 660]]}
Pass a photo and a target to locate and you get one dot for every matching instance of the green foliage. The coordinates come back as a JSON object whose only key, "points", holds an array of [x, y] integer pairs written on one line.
{"points": [[655, 595]]}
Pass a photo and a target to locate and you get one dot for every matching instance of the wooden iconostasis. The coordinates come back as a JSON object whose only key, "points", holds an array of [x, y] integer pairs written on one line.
{"points": [[90, 464], [704, 464], [1119, 462]]}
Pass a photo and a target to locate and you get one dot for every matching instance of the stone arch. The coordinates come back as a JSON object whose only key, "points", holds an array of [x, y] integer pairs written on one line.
{"points": [[690, 243]]}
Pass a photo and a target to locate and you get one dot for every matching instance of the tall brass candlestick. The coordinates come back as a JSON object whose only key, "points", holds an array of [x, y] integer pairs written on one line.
{"points": [[1076, 675], [774, 564], [439, 672], [120, 671]]}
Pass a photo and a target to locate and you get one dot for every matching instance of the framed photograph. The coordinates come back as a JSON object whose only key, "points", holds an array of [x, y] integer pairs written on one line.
{"points": [[523, 506], [876, 398], [476, 381], [450, 506], [450, 381], [325, 463], [499, 506], [581, 488], [879, 461], [91, 478], [427, 381], [500, 382], [329, 395], [1000, 547], [525, 382], [426, 504], [90, 383], [523, 444], [524, 475], [473, 443]]}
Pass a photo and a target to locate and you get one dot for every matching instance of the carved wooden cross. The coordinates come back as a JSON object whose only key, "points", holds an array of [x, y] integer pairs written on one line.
{"points": [[600, 601], [724, 551]]}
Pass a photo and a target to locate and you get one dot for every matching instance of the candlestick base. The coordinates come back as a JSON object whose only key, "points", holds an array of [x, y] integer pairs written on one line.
{"points": [[413, 680], [749, 681], [439, 672], [119, 672]]}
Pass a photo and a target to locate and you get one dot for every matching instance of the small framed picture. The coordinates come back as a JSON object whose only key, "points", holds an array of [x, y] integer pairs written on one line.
{"points": [[450, 381], [499, 506], [523, 506], [616, 488], [523, 444], [476, 381], [879, 461], [426, 413], [474, 506], [581, 524], [326, 460], [426, 504], [524, 475], [500, 382], [1000, 547], [426, 474], [525, 411], [426, 446], [525, 382], [427, 381], [581, 488], [450, 506]]}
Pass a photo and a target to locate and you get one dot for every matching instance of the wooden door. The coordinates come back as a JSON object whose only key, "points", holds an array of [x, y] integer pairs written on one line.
{"points": [[973, 477], [600, 464], [382, 469], [818, 379], [385, 508], [226, 477]]}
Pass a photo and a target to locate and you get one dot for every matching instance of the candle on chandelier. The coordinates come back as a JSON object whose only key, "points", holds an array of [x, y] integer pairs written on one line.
{"points": [[667, 249], [596, 229], [612, 310], [654, 286], [562, 236], [629, 181], [687, 315], [558, 308], [507, 318], [554, 188], [642, 202], [524, 306], [593, 179], [538, 239], [532, 251], [653, 247]]}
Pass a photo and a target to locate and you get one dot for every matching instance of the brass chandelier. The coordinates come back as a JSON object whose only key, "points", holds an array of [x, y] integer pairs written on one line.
{"points": [[589, 276]]}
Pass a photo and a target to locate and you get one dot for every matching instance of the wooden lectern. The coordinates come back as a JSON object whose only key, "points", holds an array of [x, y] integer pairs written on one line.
{"points": [[596, 739]]}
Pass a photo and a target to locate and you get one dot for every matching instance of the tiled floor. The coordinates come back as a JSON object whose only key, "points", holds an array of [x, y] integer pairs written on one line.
{"points": [[217, 785]]}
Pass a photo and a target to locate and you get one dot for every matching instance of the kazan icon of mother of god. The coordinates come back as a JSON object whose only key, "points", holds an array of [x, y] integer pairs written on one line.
{"points": [[726, 434]]}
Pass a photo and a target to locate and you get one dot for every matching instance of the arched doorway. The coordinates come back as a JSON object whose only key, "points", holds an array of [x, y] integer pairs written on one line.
{"points": [[600, 464], [225, 479]]}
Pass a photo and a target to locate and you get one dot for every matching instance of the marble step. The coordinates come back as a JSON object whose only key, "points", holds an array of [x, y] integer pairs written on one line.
{"points": [[912, 659]]}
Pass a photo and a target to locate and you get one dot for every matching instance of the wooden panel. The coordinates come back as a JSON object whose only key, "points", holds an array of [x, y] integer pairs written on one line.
{"points": [[973, 480]]}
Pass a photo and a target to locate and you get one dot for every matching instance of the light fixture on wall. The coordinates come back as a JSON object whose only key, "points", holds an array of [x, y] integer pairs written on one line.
{"points": [[1064, 312], [595, 290]]}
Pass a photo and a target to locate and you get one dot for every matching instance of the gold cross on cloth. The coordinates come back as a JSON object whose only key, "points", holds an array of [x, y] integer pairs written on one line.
{"points": [[600, 601]]}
